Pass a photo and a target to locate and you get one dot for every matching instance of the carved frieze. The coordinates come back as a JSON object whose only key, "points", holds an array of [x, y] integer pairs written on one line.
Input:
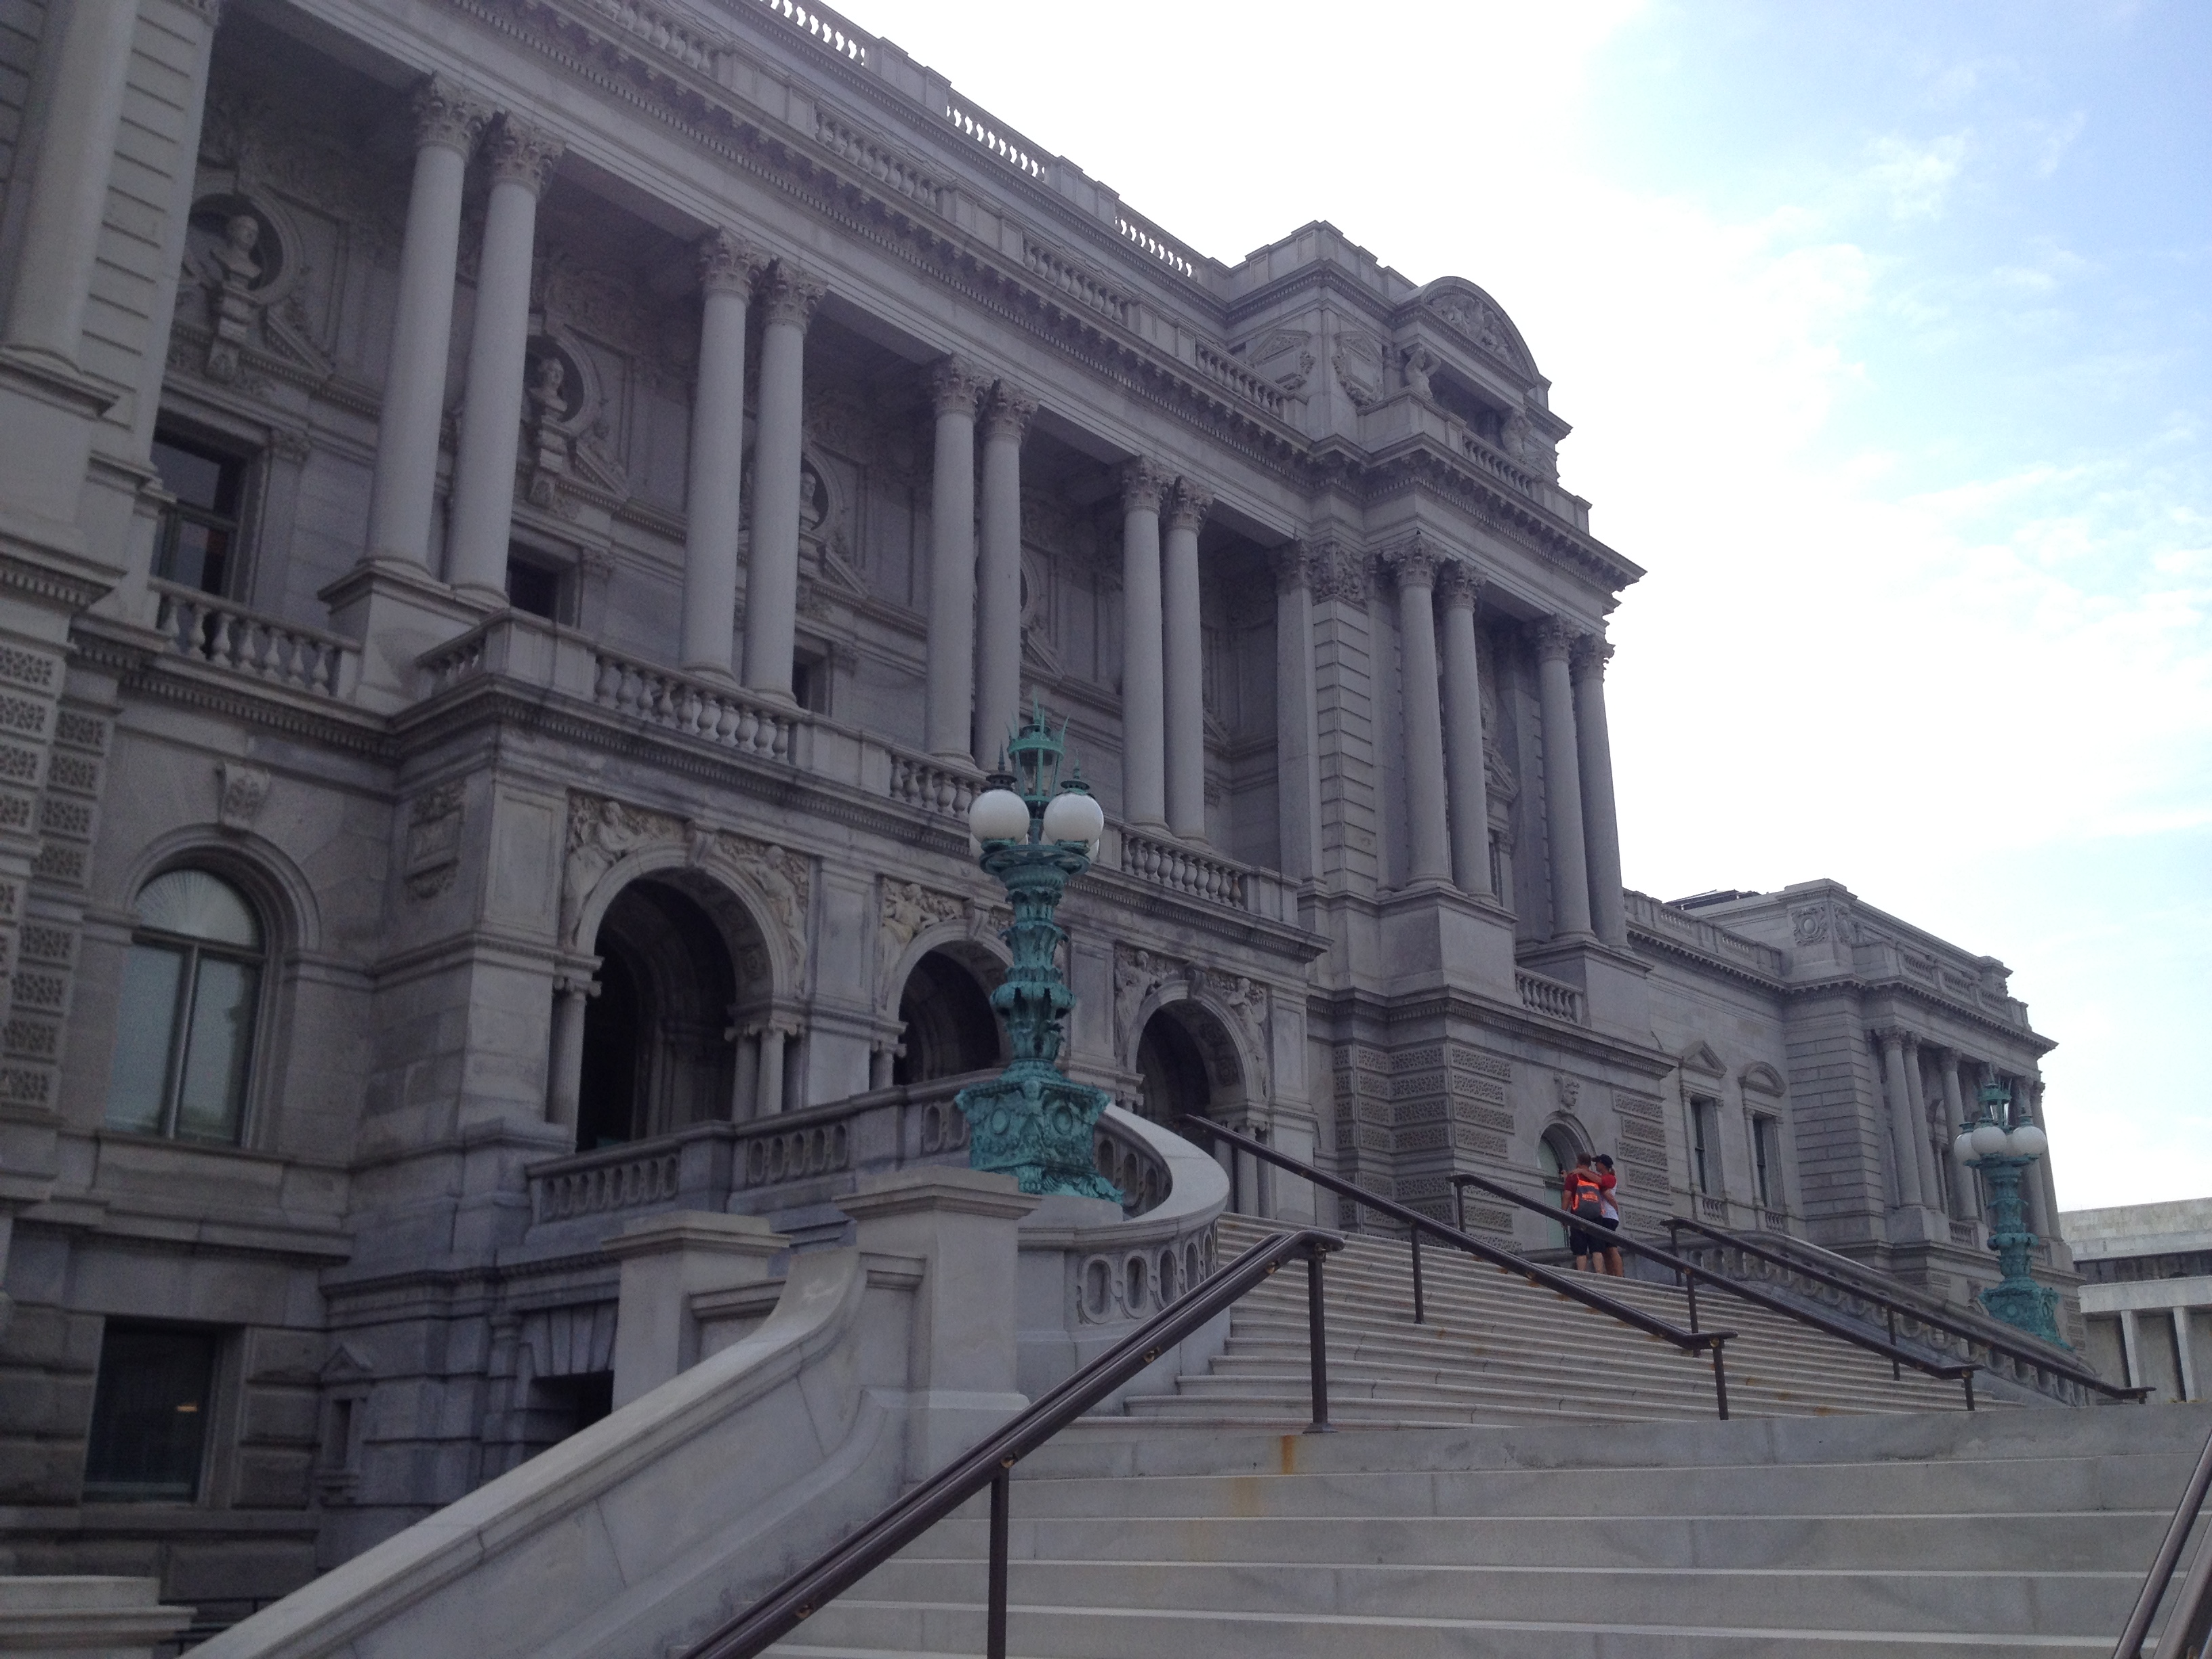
{"points": [[908, 908]]}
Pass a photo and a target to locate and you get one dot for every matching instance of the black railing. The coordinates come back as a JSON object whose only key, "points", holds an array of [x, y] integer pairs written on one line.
{"points": [[1566, 1285], [2043, 1358], [991, 1462], [2190, 1625], [1688, 1275]]}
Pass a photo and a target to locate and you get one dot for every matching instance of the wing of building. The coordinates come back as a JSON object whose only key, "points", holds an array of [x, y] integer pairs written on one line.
{"points": [[523, 524]]}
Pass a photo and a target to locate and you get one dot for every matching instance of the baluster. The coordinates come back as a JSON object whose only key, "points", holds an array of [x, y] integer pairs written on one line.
{"points": [[783, 731], [748, 722]]}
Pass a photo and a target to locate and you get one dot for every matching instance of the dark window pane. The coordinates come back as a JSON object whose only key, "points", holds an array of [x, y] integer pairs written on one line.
{"points": [[146, 1023], [149, 1413], [216, 1049], [197, 478], [194, 555], [533, 588]]}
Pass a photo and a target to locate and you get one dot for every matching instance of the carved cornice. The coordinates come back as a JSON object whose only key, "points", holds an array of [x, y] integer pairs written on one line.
{"points": [[520, 154], [1144, 484], [447, 118], [955, 385], [789, 294], [727, 262], [1009, 412], [1189, 504]]}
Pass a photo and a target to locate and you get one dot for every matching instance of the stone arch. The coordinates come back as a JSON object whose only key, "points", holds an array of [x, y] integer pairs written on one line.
{"points": [[1189, 1058], [680, 958], [277, 886], [949, 1026], [1560, 1142], [749, 914]]}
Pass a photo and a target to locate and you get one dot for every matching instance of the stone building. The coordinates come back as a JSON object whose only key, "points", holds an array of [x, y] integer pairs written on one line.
{"points": [[523, 522], [2146, 1293]]}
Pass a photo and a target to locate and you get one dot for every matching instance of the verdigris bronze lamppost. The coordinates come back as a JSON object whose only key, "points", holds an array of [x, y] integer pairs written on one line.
{"points": [[2004, 1154], [1038, 832]]}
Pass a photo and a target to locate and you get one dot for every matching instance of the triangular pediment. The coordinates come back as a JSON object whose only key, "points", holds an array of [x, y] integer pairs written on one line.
{"points": [[1699, 1057]]}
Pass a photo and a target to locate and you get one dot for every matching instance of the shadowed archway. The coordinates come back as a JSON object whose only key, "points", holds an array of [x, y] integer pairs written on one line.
{"points": [[946, 1007]]}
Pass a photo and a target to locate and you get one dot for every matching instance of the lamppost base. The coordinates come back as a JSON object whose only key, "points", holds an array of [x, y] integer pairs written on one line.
{"points": [[1036, 1125], [2031, 1307]]}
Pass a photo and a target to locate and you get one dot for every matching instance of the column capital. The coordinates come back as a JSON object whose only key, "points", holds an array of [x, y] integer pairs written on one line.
{"points": [[1009, 412], [446, 117], [1341, 572], [728, 262], [1457, 581], [790, 294], [955, 384], [521, 154], [1413, 560], [1555, 639], [1189, 504], [1145, 485], [1296, 567], [1893, 1037], [1591, 654]]}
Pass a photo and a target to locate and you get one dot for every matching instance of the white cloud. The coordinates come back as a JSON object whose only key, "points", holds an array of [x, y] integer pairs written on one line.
{"points": [[1915, 178]]}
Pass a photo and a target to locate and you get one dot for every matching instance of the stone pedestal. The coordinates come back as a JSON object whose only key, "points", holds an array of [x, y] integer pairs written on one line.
{"points": [[1615, 985], [666, 1262], [1434, 935], [964, 1225], [398, 610]]}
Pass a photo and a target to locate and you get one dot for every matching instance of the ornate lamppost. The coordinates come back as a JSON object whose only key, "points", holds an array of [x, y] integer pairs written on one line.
{"points": [[1038, 831], [2003, 1155]]}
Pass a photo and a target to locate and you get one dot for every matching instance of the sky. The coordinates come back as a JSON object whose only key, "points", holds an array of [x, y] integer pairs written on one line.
{"points": [[1886, 330]]}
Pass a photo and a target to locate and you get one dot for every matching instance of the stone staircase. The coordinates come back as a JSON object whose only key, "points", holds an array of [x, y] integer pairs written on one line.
{"points": [[1498, 1350], [1522, 1476], [2015, 1533]]}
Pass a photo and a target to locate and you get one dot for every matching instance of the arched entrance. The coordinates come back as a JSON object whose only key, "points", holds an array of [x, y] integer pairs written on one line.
{"points": [[1555, 1155], [950, 1028], [1175, 1081], [656, 1056], [1189, 1066]]}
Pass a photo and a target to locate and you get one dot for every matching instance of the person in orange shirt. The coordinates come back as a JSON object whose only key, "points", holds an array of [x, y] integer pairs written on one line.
{"points": [[1580, 1197]]}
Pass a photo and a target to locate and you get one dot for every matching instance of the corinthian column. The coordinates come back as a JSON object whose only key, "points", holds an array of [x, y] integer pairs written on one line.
{"points": [[1563, 794], [1297, 718], [1904, 1118], [1931, 1174], [998, 564], [1601, 822], [522, 159], [1470, 788], [1144, 708], [788, 297], [955, 385], [68, 184], [400, 499], [1965, 1197], [711, 503], [1429, 828], [1185, 645]]}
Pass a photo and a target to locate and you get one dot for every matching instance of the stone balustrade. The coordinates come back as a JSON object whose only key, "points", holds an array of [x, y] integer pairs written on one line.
{"points": [[206, 628], [931, 786], [671, 33], [826, 27], [1176, 255], [1548, 996], [1182, 869], [1226, 371], [1706, 938], [627, 1178], [697, 708], [886, 165], [1003, 142], [1075, 281]]}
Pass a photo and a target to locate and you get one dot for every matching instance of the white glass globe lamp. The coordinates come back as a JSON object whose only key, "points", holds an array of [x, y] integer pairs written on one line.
{"points": [[1989, 1139], [999, 815], [1964, 1146], [2028, 1141], [1073, 815]]}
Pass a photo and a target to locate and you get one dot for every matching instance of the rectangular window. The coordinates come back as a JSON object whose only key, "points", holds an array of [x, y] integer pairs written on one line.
{"points": [[196, 544], [533, 585], [1704, 1156], [149, 1414], [1763, 1159]]}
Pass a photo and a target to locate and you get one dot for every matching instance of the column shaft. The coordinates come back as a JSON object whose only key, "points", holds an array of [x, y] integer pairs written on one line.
{"points": [[712, 507], [1429, 829], [482, 512], [768, 1095], [1966, 1194], [1931, 1178], [401, 497], [1470, 787], [1297, 722], [1184, 646], [779, 454], [1903, 1117], [950, 713], [1600, 820], [1563, 795], [998, 574], [1144, 664], [69, 179], [565, 1085]]}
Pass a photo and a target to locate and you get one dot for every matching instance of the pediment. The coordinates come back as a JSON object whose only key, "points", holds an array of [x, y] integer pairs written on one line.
{"points": [[1481, 320], [1700, 1058], [1761, 1079]]}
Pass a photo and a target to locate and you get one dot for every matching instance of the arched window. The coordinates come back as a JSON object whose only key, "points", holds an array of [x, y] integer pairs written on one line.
{"points": [[184, 1028]]}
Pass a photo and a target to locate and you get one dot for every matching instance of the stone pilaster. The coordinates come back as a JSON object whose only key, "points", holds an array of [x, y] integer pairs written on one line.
{"points": [[1184, 646], [712, 504]]}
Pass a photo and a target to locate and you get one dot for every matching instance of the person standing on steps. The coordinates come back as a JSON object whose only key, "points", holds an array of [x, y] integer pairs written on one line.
{"points": [[1608, 1214], [1579, 1197]]}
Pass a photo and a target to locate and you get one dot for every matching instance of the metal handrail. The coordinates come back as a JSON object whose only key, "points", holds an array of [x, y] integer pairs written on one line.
{"points": [[990, 1463], [1689, 1341], [1688, 1273], [2190, 1623], [1892, 1307]]}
